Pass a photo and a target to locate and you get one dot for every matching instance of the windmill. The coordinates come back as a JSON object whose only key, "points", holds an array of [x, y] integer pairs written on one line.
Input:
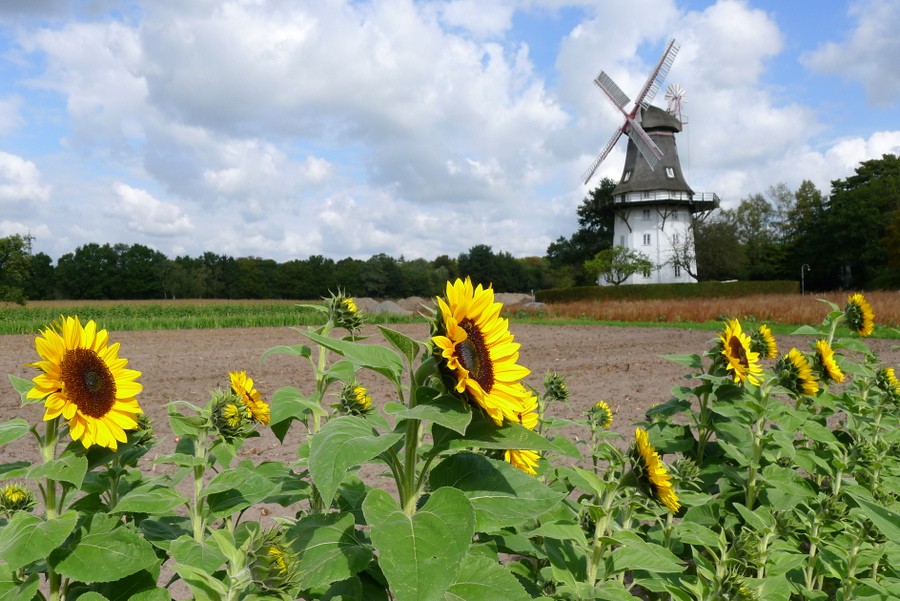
{"points": [[653, 206], [631, 127]]}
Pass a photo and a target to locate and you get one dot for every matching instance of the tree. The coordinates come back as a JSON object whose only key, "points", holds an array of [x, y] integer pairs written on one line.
{"points": [[40, 283], [14, 266], [617, 264], [856, 225], [719, 253], [596, 218]]}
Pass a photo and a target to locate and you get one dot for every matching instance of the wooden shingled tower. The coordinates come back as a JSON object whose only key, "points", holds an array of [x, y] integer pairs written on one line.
{"points": [[653, 202]]}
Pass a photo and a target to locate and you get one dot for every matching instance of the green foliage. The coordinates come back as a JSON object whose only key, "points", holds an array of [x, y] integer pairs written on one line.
{"points": [[617, 264], [596, 217], [780, 495], [668, 291], [14, 268]]}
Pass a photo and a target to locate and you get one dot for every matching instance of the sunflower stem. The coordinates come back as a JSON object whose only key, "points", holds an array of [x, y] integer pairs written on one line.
{"points": [[410, 489], [600, 530], [197, 521], [48, 453]]}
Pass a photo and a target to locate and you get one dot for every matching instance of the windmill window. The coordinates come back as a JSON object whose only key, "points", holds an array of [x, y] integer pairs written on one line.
{"points": [[622, 240], [674, 215], [626, 177], [646, 214], [646, 273], [675, 240], [677, 271], [646, 239], [670, 173]]}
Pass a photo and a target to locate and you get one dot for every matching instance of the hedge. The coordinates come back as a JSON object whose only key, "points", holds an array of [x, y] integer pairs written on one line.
{"points": [[667, 291]]}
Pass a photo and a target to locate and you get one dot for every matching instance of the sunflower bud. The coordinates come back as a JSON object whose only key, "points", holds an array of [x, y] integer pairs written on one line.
{"points": [[355, 400], [600, 416], [231, 418], [555, 388], [273, 564], [859, 315], [686, 472], [15, 497], [142, 436], [886, 381], [763, 342], [343, 312]]}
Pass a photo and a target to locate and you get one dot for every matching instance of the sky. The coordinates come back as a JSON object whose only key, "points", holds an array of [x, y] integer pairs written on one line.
{"points": [[283, 129]]}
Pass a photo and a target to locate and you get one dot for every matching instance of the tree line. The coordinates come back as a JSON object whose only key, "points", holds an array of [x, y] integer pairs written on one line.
{"points": [[122, 271], [847, 239]]}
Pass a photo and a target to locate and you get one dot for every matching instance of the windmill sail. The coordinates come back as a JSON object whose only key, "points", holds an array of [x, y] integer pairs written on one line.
{"points": [[609, 146], [612, 91], [632, 127], [648, 92], [645, 145]]}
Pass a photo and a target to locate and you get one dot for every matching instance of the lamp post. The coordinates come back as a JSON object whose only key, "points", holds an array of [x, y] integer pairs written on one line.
{"points": [[803, 269]]}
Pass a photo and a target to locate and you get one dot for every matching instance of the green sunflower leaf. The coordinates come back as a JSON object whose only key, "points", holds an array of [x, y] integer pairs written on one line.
{"points": [[435, 406], [635, 554], [377, 358], [408, 347], [153, 498], [420, 554], [13, 430], [120, 551], [204, 556], [482, 432], [296, 350], [884, 519], [501, 494], [342, 443], [330, 547], [68, 468], [483, 579], [237, 488], [11, 589], [27, 537], [22, 386]]}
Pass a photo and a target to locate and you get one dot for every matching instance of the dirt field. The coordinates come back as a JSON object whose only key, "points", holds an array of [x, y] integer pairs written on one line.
{"points": [[623, 366]]}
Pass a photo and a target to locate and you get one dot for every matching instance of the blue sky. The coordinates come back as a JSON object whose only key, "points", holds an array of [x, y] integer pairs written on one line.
{"points": [[284, 129]]}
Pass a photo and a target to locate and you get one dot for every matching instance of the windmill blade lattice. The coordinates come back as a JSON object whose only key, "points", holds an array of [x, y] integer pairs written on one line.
{"points": [[632, 127]]}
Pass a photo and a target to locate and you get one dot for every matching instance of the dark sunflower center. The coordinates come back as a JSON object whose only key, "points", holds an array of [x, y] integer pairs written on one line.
{"points": [[88, 382], [474, 356], [736, 349]]}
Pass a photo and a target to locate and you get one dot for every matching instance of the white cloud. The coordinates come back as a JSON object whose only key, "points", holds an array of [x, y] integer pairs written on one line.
{"points": [[94, 66], [10, 114], [482, 19], [147, 215], [414, 128], [20, 182], [869, 53]]}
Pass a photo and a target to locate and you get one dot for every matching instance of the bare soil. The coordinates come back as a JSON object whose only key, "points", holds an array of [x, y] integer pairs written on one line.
{"points": [[622, 365]]}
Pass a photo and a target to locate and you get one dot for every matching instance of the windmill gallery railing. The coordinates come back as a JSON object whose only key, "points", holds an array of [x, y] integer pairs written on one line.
{"points": [[702, 201]]}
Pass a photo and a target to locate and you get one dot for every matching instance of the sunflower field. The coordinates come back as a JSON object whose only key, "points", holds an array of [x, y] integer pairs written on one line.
{"points": [[772, 475]]}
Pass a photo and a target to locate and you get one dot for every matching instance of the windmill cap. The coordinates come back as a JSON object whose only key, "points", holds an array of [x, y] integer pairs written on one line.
{"points": [[656, 118]]}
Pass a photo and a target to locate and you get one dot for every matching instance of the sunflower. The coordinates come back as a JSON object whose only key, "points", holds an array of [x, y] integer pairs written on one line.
{"points": [[355, 399], [243, 387], [477, 349], [859, 315], [764, 342], [600, 415], [739, 357], [651, 471], [524, 460], [826, 364], [85, 381], [886, 380], [797, 374]]}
